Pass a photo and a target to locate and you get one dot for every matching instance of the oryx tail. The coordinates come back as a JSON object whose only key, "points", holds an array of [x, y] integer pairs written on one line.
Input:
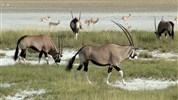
{"points": [[71, 61], [17, 47]]}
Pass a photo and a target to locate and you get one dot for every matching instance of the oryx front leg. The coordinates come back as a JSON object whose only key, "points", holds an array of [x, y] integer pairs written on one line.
{"points": [[121, 74], [40, 55], [109, 74], [46, 58]]}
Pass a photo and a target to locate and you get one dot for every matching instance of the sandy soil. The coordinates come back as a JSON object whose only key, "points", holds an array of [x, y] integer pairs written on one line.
{"points": [[89, 5]]}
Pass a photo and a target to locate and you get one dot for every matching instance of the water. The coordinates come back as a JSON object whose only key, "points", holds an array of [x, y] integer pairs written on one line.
{"points": [[138, 21]]}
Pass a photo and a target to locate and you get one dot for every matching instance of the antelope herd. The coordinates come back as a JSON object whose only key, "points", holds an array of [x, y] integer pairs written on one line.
{"points": [[110, 55]]}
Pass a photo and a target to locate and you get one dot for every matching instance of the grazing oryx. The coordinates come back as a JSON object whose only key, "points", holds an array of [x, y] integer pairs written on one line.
{"points": [[53, 23], [94, 21], [45, 19], [126, 17], [40, 43], [75, 25], [163, 26], [109, 54]]}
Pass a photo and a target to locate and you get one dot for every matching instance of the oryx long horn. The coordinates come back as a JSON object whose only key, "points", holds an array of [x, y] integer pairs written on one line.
{"points": [[80, 15], [72, 15], [155, 22], [126, 33], [61, 45]]}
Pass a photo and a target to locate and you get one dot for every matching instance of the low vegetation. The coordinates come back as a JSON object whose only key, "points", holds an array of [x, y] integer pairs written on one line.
{"points": [[142, 39], [59, 85]]}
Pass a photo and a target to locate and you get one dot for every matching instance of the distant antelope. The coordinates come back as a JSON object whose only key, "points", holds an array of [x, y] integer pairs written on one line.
{"points": [[164, 27], [54, 23], [126, 17], [88, 21], [75, 25], [176, 19], [45, 19], [94, 21], [108, 54], [39, 43]]}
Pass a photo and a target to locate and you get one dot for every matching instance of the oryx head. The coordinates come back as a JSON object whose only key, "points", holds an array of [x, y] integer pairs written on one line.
{"points": [[132, 52], [58, 55]]}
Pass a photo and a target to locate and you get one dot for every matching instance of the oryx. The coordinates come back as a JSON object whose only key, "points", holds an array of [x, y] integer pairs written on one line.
{"points": [[164, 27], [108, 54], [38, 43], [75, 25]]}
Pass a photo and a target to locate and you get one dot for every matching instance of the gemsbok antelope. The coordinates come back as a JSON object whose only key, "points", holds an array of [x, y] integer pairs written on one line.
{"points": [[53, 23], [126, 17], [108, 54], [75, 25], [164, 27], [94, 21], [45, 19], [38, 43]]}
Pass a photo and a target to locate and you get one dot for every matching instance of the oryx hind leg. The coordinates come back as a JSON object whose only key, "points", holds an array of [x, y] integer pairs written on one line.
{"points": [[23, 55], [78, 70], [121, 74], [86, 71]]}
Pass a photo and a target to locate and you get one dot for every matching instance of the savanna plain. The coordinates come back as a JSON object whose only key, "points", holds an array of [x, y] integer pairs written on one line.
{"points": [[59, 85]]}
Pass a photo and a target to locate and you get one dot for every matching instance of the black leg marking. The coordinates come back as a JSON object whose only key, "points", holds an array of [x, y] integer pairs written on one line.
{"points": [[110, 69], [23, 54], [85, 66], [41, 54], [80, 67], [117, 68]]}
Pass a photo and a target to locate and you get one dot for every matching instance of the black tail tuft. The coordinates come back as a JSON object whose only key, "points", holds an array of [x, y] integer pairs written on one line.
{"points": [[17, 48], [16, 53], [70, 63]]}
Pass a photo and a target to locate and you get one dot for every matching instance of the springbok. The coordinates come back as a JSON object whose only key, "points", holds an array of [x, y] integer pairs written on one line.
{"points": [[45, 19], [94, 21], [108, 54], [88, 21], [126, 17], [75, 25], [39, 43], [54, 23], [163, 26]]}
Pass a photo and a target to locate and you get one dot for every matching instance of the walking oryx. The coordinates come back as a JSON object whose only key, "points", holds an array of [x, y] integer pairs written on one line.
{"points": [[75, 25], [40, 43], [164, 27], [109, 54]]}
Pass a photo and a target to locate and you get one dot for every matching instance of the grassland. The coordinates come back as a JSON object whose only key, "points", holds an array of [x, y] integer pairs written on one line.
{"points": [[60, 86], [142, 39], [58, 82]]}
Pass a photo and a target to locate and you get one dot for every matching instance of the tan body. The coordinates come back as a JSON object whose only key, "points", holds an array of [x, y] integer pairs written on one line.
{"points": [[110, 55], [126, 17], [38, 43]]}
